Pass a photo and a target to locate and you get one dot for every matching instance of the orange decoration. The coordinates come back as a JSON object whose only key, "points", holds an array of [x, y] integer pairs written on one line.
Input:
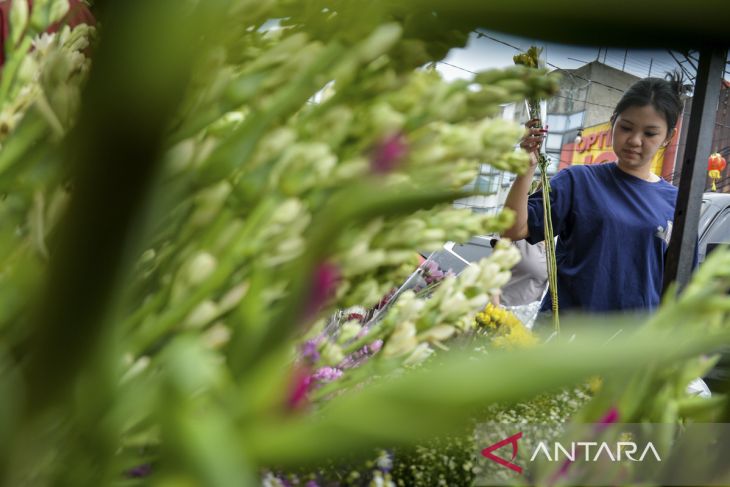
{"points": [[715, 164]]}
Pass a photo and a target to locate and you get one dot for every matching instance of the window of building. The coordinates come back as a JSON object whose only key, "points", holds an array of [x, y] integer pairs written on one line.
{"points": [[554, 142], [575, 120]]}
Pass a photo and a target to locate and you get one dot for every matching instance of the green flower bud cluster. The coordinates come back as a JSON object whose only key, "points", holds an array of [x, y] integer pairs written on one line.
{"points": [[48, 77], [383, 254]]}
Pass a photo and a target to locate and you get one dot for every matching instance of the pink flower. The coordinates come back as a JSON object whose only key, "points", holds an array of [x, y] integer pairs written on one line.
{"points": [[388, 153], [301, 381], [324, 283], [375, 346], [611, 417], [431, 272], [327, 374], [608, 419]]}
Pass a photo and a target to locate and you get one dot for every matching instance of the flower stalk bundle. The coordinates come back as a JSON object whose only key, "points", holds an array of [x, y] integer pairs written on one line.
{"points": [[530, 59]]}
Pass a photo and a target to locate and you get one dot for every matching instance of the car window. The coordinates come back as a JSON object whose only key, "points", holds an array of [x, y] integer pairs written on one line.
{"points": [[718, 233]]}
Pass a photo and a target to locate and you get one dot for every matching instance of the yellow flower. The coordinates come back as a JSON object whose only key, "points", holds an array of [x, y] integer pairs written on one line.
{"points": [[595, 383], [506, 330]]}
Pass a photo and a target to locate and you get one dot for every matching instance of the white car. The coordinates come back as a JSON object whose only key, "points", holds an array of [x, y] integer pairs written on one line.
{"points": [[714, 225]]}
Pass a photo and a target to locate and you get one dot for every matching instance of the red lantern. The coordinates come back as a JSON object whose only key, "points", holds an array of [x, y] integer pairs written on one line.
{"points": [[715, 164]]}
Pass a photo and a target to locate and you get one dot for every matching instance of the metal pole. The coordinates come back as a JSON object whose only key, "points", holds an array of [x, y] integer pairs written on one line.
{"points": [[680, 254], [651, 63], [626, 53]]}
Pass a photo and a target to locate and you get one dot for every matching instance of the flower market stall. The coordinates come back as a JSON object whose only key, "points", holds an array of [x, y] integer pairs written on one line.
{"points": [[210, 214]]}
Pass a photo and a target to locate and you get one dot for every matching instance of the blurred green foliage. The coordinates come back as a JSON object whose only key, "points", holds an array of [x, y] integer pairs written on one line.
{"points": [[164, 213]]}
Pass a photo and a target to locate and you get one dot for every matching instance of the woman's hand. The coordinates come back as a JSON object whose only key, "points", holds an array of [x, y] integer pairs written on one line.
{"points": [[532, 141]]}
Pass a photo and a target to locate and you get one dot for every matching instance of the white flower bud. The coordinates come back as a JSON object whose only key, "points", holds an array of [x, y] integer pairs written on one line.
{"points": [[234, 296], [432, 154], [500, 134], [380, 41], [402, 341], [500, 279], [470, 275], [217, 336], [209, 203], [409, 306], [201, 315], [136, 368], [419, 354], [385, 119], [18, 20], [505, 258], [433, 235], [478, 302], [180, 156], [291, 247], [351, 168], [438, 333], [348, 331], [332, 354], [199, 268], [461, 140], [455, 305], [59, 8], [364, 263]]}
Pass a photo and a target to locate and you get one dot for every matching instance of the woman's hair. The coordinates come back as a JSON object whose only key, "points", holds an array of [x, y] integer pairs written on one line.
{"points": [[665, 95]]}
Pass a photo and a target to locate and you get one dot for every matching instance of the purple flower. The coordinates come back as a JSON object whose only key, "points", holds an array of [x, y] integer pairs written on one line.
{"points": [[327, 374], [139, 471], [308, 351], [388, 153]]}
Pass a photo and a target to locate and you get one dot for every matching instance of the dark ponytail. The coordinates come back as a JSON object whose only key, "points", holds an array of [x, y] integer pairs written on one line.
{"points": [[665, 95]]}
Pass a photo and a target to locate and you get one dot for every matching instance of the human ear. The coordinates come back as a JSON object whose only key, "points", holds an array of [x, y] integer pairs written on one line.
{"points": [[670, 137]]}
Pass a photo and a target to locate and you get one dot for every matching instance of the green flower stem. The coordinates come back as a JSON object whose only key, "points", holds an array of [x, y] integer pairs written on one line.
{"points": [[552, 267], [530, 58], [549, 242]]}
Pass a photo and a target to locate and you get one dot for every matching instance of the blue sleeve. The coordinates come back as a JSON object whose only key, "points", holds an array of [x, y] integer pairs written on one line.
{"points": [[562, 188]]}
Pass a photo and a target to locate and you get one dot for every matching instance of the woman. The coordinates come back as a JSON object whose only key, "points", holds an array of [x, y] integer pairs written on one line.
{"points": [[613, 220]]}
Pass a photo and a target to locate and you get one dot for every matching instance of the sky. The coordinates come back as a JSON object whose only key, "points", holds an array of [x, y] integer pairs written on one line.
{"points": [[489, 52]]}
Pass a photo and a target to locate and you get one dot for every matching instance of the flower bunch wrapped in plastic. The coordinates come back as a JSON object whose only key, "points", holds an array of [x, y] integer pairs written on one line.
{"points": [[504, 328]]}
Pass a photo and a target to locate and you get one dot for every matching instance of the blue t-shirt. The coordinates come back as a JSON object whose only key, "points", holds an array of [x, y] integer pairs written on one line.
{"points": [[613, 230]]}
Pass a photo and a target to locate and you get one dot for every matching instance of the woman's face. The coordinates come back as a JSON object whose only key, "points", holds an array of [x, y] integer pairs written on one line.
{"points": [[638, 133]]}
